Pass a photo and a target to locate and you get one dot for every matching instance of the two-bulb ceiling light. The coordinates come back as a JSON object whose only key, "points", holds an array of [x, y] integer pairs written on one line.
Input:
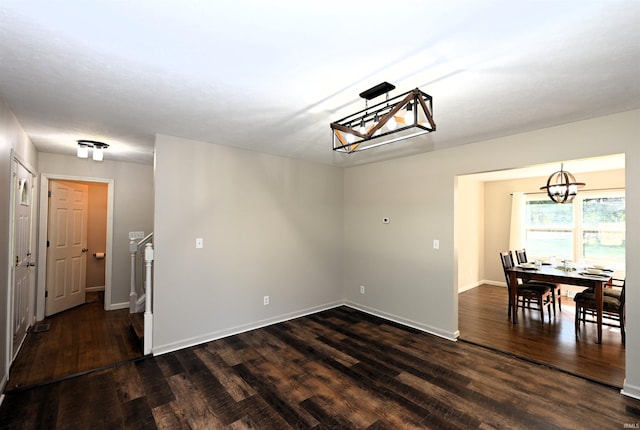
{"points": [[402, 117], [98, 149], [562, 186]]}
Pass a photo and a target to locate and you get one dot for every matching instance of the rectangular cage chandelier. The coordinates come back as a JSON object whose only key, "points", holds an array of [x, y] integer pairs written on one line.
{"points": [[398, 118]]}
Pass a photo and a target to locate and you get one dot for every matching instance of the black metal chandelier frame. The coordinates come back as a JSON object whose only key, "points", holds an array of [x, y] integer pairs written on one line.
{"points": [[364, 129], [562, 186]]}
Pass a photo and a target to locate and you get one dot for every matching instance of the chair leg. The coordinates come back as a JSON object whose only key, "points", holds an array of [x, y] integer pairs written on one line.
{"points": [[553, 298], [577, 320], [541, 309], [559, 295]]}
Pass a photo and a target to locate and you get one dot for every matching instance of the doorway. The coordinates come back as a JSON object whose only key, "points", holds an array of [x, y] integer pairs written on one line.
{"points": [[87, 337], [480, 278], [102, 217], [75, 247], [22, 281]]}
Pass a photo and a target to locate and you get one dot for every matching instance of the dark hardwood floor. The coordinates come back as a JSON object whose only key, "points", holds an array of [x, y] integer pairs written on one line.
{"points": [[337, 369], [78, 340], [482, 319]]}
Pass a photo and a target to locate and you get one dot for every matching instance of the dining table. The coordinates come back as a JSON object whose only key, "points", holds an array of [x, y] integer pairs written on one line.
{"points": [[559, 275]]}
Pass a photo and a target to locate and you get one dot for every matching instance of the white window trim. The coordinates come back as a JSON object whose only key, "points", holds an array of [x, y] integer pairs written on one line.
{"points": [[578, 226]]}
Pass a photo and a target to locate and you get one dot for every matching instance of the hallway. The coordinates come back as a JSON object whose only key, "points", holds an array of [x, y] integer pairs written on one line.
{"points": [[78, 340]]}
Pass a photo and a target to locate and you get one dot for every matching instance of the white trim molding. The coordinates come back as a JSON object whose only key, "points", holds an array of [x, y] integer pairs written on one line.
{"points": [[116, 306], [186, 343], [453, 336], [630, 390], [163, 349]]}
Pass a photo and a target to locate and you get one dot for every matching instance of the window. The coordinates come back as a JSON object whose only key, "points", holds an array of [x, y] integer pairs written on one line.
{"points": [[589, 230]]}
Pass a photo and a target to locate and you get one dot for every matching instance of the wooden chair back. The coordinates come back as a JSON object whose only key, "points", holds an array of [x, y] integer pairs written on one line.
{"points": [[521, 255], [507, 263]]}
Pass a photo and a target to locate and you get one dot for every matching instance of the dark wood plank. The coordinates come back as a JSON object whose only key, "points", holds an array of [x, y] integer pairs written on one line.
{"points": [[482, 319], [137, 415], [336, 369], [78, 340], [154, 383]]}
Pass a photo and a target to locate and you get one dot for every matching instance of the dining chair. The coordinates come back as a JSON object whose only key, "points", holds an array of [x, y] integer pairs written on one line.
{"points": [[556, 291], [613, 307], [529, 295]]}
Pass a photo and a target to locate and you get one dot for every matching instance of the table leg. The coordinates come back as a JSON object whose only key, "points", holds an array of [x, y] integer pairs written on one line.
{"points": [[599, 307], [513, 299]]}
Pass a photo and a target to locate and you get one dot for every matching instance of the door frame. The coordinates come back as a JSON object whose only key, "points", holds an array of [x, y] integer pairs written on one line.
{"points": [[16, 158], [42, 237]]}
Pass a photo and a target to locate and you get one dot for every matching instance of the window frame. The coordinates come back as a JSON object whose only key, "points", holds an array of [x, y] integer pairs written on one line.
{"points": [[578, 228]]}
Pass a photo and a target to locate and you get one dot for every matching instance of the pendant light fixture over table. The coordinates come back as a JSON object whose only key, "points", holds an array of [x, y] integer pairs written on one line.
{"points": [[402, 117], [562, 186]]}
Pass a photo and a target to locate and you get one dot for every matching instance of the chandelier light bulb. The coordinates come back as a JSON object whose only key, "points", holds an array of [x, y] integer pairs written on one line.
{"points": [[408, 115], [350, 138], [392, 123]]}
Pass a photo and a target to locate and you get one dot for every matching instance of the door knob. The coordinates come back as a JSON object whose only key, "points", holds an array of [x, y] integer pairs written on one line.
{"points": [[85, 249]]}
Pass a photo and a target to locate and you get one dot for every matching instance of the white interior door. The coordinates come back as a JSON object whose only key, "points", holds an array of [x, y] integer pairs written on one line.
{"points": [[22, 272], [67, 246]]}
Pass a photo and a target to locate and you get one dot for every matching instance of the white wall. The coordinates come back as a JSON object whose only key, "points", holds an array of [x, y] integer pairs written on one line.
{"points": [[12, 136], [469, 236], [271, 226], [407, 279], [132, 211]]}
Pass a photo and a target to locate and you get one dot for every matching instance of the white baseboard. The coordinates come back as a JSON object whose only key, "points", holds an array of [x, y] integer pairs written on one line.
{"points": [[406, 322], [495, 283], [197, 340], [92, 289], [163, 349], [630, 390], [483, 282], [469, 287], [116, 306]]}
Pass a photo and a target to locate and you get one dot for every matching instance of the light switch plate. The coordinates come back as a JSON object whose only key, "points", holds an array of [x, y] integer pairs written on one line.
{"points": [[199, 242], [436, 244], [136, 235]]}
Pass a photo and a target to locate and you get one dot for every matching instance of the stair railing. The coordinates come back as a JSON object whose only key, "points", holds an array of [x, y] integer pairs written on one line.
{"points": [[148, 315], [137, 294]]}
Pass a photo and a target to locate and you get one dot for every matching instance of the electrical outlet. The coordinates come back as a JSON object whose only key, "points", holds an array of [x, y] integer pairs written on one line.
{"points": [[361, 289], [265, 300]]}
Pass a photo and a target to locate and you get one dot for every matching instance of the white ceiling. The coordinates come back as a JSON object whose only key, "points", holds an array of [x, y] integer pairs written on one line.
{"points": [[271, 76]]}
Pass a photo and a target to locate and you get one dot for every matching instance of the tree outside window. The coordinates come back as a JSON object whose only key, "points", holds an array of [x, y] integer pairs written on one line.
{"points": [[589, 230]]}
